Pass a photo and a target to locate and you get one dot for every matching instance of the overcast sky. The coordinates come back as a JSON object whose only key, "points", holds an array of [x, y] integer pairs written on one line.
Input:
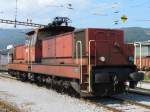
{"points": [[85, 13]]}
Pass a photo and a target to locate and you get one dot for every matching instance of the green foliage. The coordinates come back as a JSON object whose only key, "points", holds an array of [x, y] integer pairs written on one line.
{"points": [[147, 78]]}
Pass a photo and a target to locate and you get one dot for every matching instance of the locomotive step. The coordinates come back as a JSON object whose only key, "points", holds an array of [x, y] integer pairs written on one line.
{"points": [[87, 74], [84, 91], [84, 86], [86, 82], [85, 78]]}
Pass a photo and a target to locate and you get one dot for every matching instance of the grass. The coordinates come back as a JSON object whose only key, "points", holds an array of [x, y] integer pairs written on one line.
{"points": [[147, 78]]}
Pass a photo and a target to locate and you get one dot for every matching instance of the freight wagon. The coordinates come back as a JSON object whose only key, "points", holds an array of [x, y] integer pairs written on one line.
{"points": [[142, 55], [89, 62], [4, 58]]}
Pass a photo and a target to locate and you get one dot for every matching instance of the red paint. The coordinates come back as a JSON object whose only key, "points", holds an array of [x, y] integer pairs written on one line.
{"points": [[19, 52], [145, 62], [63, 71]]}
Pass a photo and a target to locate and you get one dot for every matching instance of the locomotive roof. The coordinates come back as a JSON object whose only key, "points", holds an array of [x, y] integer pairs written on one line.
{"points": [[66, 29], [56, 29], [108, 29]]}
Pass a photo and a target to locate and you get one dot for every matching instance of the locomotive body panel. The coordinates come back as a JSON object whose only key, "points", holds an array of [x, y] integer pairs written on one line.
{"points": [[66, 71], [109, 44], [63, 61], [19, 51], [64, 46], [49, 49], [18, 67], [59, 46]]}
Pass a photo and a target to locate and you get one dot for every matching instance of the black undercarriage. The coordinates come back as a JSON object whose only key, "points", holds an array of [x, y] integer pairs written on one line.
{"points": [[109, 80]]}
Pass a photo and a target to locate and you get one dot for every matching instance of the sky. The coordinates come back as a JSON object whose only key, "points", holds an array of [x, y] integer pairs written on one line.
{"points": [[84, 13]]}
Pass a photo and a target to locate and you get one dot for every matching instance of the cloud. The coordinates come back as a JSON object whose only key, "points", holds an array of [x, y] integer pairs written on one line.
{"points": [[42, 11]]}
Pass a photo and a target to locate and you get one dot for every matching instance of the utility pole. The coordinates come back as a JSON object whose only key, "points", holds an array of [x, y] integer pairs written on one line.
{"points": [[16, 11], [15, 22]]}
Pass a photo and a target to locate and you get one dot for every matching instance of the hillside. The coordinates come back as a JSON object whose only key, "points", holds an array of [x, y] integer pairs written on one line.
{"points": [[11, 36], [136, 34], [17, 36]]}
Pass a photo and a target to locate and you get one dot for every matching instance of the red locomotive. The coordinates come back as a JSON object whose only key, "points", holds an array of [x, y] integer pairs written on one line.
{"points": [[89, 61]]}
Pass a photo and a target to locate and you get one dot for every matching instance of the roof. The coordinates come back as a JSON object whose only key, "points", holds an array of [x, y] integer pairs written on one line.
{"points": [[144, 43]]}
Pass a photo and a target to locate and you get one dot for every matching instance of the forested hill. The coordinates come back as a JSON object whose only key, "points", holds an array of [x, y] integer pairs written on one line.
{"points": [[136, 34], [11, 36]]}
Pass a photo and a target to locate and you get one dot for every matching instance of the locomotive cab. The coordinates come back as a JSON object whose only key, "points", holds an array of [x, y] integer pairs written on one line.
{"points": [[110, 61]]}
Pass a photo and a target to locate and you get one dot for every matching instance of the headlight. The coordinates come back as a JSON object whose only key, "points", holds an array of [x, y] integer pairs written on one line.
{"points": [[26, 50], [102, 59]]}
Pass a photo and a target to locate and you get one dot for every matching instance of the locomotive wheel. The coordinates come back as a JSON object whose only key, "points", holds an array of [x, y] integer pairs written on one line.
{"points": [[48, 82], [39, 80], [31, 78], [133, 84], [23, 77], [18, 75]]}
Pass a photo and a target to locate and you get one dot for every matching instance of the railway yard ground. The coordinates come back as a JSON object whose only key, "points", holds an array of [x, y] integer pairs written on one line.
{"points": [[144, 84], [31, 98], [26, 97]]}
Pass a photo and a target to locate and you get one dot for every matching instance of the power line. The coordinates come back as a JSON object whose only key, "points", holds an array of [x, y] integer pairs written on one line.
{"points": [[68, 6]]}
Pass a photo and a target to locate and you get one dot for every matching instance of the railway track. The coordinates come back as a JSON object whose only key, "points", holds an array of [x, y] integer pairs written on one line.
{"points": [[113, 104], [139, 99], [140, 91], [6, 75], [142, 88], [145, 81]]}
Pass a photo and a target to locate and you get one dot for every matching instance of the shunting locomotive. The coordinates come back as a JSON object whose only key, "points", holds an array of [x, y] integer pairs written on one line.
{"points": [[89, 61]]}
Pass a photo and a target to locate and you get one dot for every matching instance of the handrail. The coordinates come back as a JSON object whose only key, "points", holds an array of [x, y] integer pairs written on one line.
{"points": [[77, 56], [28, 52], [135, 54], [31, 57], [29, 60], [90, 62]]}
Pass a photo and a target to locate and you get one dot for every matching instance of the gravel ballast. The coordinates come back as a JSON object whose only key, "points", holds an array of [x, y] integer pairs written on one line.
{"points": [[31, 98]]}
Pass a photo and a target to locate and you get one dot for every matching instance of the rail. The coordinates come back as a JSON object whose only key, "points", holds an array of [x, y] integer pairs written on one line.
{"points": [[111, 109], [132, 102]]}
